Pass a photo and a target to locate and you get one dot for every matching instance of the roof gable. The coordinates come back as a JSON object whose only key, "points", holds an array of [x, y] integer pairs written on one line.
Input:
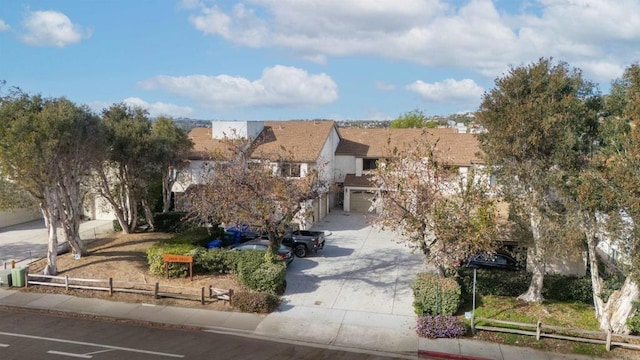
{"points": [[452, 147], [206, 147], [295, 140]]}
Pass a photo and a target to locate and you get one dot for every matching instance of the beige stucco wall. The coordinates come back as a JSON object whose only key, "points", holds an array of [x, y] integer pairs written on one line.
{"points": [[571, 264], [18, 216]]}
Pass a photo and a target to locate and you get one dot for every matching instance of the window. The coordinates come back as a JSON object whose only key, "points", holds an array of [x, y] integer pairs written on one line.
{"points": [[369, 164], [290, 170]]}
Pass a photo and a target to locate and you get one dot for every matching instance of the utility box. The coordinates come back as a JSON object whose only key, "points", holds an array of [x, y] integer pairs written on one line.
{"points": [[5, 278], [18, 277]]}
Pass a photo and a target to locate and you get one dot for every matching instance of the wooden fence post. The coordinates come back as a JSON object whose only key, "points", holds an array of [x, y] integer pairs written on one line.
{"points": [[66, 282], [156, 291], [231, 297], [608, 346], [538, 330], [202, 295], [110, 286]]}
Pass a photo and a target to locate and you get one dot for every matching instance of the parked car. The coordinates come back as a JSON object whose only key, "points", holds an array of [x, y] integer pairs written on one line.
{"points": [[493, 261], [303, 241], [284, 252]]}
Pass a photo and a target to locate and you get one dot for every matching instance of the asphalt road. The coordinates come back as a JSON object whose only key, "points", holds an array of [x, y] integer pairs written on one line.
{"points": [[32, 335]]}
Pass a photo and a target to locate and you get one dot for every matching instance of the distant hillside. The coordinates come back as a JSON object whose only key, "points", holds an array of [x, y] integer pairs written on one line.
{"points": [[187, 124]]}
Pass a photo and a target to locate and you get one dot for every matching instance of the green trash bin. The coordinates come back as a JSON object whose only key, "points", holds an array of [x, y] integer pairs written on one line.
{"points": [[18, 277], [5, 277]]}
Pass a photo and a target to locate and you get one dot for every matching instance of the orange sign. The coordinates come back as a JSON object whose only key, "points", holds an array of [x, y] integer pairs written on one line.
{"points": [[177, 258]]}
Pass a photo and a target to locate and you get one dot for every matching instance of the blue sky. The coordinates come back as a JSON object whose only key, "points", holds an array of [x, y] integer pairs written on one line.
{"points": [[302, 59]]}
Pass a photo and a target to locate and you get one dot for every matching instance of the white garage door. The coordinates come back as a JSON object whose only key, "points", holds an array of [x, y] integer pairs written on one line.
{"points": [[360, 201]]}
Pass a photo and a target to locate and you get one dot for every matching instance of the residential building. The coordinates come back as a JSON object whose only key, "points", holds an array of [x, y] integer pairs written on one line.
{"points": [[360, 149]]}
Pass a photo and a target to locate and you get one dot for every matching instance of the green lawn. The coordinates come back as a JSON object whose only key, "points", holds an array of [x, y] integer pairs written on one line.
{"points": [[569, 315]]}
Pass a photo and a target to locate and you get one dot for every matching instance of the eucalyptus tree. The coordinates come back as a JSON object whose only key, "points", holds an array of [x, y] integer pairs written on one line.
{"points": [[536, 117], [127, 167], [444, 215], [609, 189], [173, 146], [47, 148]]}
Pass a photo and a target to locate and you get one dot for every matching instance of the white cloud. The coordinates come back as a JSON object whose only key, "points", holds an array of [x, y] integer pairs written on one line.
{"points": [[279, 86], [449, 90], [51, 28], [4, 26], [385, 86], [470, 34], [160, 108]]}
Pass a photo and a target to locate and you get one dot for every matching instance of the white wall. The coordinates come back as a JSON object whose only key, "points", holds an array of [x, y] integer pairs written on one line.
{"points": [[327, 161], [18, 216], [194, 173], [344, 164], [243, 129]]}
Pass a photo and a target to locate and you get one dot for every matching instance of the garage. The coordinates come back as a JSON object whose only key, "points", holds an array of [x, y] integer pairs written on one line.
{"points": [[360, 201]]}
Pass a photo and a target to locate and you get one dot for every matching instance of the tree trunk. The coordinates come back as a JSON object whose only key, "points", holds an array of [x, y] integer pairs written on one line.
{"points": [[538, 263], [168, 179], [148, 214], [621, 306], [51, 214], [602, 316]]}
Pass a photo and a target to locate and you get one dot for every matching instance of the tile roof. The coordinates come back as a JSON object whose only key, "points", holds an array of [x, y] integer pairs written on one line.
{"points": [[206, 147], [455, 148], [296, 140], [358, 181]]}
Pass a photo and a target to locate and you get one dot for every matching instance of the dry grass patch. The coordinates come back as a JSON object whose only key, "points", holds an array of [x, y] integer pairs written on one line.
{"points": [[123, 258]]}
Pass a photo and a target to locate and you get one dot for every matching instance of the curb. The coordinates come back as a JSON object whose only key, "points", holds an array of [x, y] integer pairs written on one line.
{"points": [[447, 356]]}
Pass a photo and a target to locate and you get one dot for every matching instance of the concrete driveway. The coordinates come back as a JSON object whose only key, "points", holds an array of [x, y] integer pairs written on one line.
{"points": [[360, 269], [26, 242]]}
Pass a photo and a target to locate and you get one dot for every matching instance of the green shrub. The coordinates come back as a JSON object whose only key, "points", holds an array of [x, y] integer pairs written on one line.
{"points": [[493, 282], [116, 226], [259, 275], [634, 321], [216, 261], [513, 283], [181, 244], [170, 222], [434, 295], [568, 289], [440, 326], [156, 261], [259, 302], [195, 236]]}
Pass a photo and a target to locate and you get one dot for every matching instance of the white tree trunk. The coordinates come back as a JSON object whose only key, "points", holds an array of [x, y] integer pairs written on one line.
{"points": [[538, 262], [590, 224], [148, 214], [621, 306], [168, 179], [51, 212]]}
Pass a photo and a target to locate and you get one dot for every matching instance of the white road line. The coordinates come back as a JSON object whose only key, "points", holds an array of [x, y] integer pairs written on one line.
{"points": [[69, 354], [4, 345], [93, 344]]}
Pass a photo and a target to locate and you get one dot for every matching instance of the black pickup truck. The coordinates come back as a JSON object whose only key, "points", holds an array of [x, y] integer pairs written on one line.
{"points": [[303, 241]]}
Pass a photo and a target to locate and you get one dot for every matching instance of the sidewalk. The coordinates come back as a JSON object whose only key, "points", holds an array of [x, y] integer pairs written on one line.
{"points": [[390, 335]]}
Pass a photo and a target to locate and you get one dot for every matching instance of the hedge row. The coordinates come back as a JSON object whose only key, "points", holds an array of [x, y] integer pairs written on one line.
{"points": [[251, 267], [513, 283], [434, 295]]}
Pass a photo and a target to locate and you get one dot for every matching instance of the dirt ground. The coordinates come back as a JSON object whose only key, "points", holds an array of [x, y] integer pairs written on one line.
{"points": [[122, 257]]}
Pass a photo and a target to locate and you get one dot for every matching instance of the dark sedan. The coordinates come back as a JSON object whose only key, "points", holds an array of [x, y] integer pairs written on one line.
{"points": [[493, 261], [284, 252]]}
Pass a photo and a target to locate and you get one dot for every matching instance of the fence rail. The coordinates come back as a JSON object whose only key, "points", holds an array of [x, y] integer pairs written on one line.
{"points": [[156, 290], [540, 330]]}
